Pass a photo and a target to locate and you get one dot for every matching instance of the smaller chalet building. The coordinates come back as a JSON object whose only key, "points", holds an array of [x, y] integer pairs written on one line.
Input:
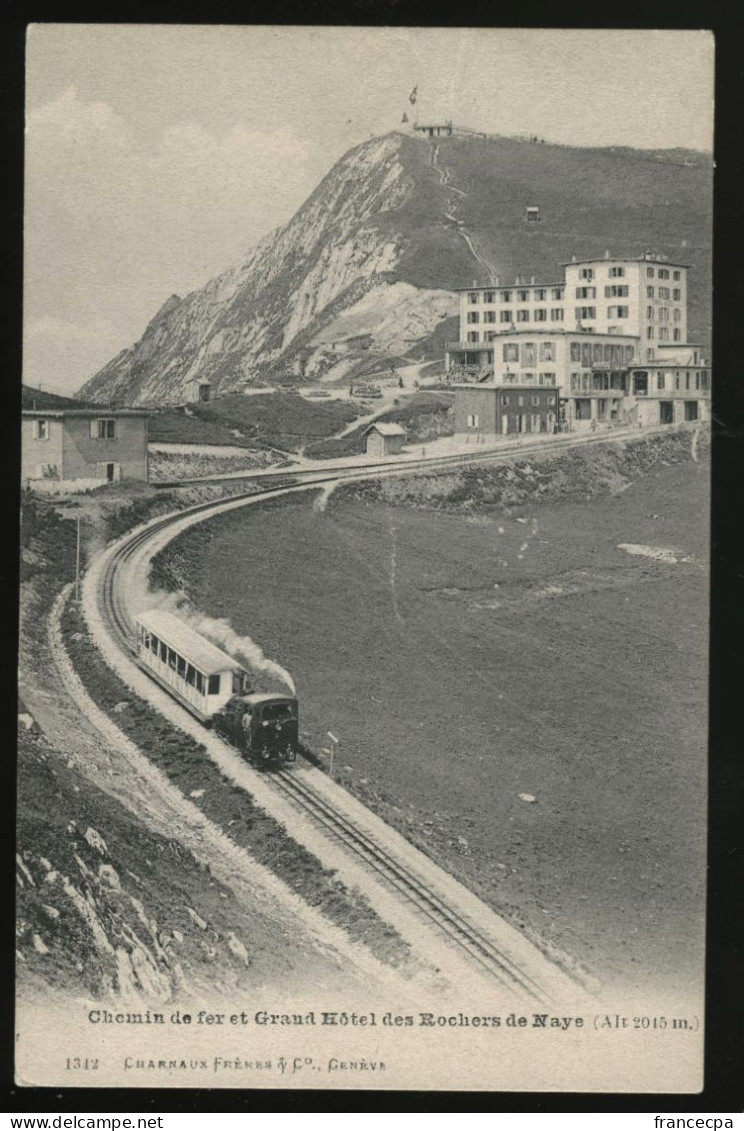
{"points": [[500, 410], [198, 390], [74, 449], [384, 439]]}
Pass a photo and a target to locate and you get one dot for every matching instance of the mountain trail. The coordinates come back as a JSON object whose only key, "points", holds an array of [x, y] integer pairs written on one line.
{"points": [[452, 204]]}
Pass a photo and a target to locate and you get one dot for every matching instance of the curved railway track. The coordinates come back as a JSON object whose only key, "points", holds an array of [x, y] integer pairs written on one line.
{"points": [[334, 823]]}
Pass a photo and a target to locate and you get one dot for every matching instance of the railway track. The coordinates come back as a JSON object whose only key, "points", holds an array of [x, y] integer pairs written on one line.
{"points": [[432, 463], [318, 808], [412, 888]]}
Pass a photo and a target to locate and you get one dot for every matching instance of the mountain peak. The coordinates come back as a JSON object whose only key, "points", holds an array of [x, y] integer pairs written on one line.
{"points": [[394, 228]]}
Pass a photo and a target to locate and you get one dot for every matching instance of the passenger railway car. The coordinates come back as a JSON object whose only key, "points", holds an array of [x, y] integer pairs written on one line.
{"points": [[216, 689]]}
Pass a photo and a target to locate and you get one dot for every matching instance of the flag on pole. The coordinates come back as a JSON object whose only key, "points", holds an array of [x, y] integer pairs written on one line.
{"points": [[413, 95]]}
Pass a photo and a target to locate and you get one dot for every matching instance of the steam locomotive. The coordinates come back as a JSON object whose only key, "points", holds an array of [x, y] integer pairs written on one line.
{"points": [[214, 688]]}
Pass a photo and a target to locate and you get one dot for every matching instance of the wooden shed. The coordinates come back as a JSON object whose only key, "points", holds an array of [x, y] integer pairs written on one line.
{"points": [[198, 389], [384, 439]]}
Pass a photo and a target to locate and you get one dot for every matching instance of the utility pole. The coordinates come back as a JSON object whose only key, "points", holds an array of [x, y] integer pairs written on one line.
{"points": [[77, 562]]}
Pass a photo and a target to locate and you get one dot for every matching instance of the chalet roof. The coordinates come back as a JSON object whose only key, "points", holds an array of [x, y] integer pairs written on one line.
{"points": [[187, 642], [92, 412], [385, 429]]}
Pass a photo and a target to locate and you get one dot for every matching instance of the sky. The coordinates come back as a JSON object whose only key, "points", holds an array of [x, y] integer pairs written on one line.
{"points": [[157, 155]]}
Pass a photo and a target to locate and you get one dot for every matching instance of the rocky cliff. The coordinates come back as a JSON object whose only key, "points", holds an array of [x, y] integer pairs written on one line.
{"points": [[367, 269]]}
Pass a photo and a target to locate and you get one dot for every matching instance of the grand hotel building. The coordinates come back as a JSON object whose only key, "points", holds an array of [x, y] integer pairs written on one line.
{"points": [[612, 337]]}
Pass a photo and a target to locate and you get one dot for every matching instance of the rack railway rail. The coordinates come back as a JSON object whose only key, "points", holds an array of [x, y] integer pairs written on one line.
{"points": [[334, 823]]}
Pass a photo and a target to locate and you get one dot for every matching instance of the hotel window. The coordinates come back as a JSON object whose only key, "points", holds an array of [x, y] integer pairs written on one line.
{"points": [[660, 381], [663, 273], [528, 378], [697, 381], [489, 316], [616, 292], [586, 355], [649, 332], [617, 272], [473, 336], [505, 315], [103, 429], [491, 335], [629, 351], [523, 296], [556, 314], [540, 295], [650, 313], [473, 421], [677, 275], [649, 272], [704, 378], [584, 312], [557, 293], [523, 316], [575, 351], [547, 351], [586, 273], [664, 292], [505, 401], [574, 381], [677, 335], [687, 381], [510, 352], [649, 292], [473, 316], [677, 315], [617, 311], [506, 296], [608, 352], [520, 402], [586, 292], [677, 294], [489, 296], [541, 315], [535, 400], [41, 430], [473, 296], [597, 353], [529, 354], [663, 313], [548, 378], [663, 333], [676, 379], [650, 354]]}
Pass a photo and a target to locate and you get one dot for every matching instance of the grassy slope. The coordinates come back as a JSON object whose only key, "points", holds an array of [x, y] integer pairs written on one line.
{"points": [[276, 420], [424, 416], [590, 200], [508, 646]]}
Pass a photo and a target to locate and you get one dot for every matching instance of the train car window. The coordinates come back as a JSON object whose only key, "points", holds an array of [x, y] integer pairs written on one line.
{"points": [[154, 644], [277, 712], [172, 659], [200, 683], [214, 684], [181, 668], [145, 639], [190, 675], [163, 651]]}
